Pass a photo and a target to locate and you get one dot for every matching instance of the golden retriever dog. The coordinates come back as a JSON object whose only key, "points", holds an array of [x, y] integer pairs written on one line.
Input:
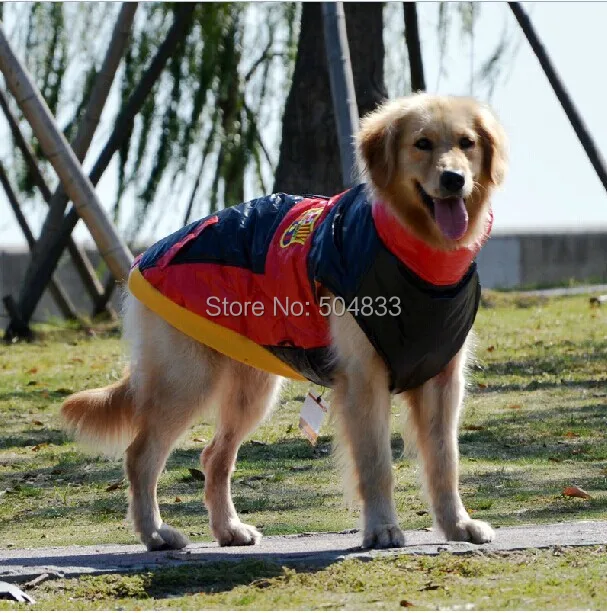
{"points": [[432, 161]]}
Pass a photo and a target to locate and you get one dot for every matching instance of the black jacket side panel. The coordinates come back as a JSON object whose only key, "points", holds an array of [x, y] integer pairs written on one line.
{"points": [[428, 324]]}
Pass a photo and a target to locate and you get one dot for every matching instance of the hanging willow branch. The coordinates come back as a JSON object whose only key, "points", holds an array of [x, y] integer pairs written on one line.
{"points": [[201, 135], [178, 128]]}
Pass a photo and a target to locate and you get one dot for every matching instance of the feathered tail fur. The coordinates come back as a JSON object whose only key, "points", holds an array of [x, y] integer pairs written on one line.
{"points": [[103, 418]]}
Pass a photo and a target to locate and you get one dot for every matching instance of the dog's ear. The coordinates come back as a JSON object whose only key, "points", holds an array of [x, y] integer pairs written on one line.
{"points": [[377, 144], [495, 155]]}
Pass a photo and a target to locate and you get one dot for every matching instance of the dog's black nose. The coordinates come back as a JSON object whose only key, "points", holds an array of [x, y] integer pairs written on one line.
{"points": [[452, 181]]}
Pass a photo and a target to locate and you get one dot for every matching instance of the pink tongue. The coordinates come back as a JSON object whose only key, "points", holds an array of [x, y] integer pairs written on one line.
{"points": [[451, 217]]}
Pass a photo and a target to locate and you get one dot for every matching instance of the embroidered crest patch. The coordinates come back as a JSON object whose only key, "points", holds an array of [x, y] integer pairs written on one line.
{"points": [[300, 229]]}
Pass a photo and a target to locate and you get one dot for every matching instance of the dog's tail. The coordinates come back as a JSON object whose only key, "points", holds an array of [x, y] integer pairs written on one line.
{"points": [[103, 418]]}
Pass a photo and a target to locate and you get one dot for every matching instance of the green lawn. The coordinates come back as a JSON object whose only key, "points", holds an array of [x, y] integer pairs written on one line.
{"points": [[535, 423]]}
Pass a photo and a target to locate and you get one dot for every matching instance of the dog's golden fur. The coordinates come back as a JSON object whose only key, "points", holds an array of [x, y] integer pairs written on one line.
{"points": [[174, 380]]}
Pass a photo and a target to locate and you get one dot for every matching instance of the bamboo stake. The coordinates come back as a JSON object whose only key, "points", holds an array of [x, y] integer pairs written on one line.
{"points": [[79, 257], [77, 185], [176, 34]]}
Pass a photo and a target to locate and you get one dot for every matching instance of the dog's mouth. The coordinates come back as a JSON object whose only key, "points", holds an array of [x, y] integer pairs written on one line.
{"points": [[450, 214]]}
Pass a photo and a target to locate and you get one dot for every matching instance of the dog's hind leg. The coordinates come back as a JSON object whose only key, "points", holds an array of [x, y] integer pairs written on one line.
{"points": [[173, 380], [435, 408], [247, 394]]}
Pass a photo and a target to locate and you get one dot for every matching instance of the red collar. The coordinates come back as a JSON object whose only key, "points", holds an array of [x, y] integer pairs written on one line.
{"points": [[434, 266]]}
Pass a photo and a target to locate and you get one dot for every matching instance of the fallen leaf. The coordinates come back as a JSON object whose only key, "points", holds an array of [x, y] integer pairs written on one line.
{"points": [[515, 406], [39, 446], [482, 386], [474, 428], [177, 499], [198, 475], [491, 348], [575, 492], [32, 371], [199, 440], [571, 434], [114, 486], [37, 422], [406, 603]]}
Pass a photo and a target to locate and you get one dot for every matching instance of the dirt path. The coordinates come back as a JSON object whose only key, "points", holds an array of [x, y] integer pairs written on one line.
{"points": [[310, 549]]}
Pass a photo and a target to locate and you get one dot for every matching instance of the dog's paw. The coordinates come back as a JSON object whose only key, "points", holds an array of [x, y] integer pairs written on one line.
{"points": [[472, 530], [237, 533], [165, 538], [383, 536]]}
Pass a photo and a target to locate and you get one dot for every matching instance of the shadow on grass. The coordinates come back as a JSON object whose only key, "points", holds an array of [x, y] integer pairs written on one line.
{"points": [[539, 434], [216, 572], [36, 394], [33, 437], [540, 385]]}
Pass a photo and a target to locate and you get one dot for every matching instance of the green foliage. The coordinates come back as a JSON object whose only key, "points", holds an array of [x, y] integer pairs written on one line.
{"points": [[207, 112], [204, 130]]}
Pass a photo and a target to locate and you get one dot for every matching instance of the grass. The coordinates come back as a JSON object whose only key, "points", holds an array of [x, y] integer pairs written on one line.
{"points": [[564, 579], [534, 424]]}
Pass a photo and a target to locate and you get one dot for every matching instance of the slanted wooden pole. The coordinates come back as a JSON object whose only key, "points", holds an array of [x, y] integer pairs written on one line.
{"points": [[414, 47], [177, 33], [77, 185], [57, 291], [342, 86], [583, 134], [79, 257], [35, 281]]}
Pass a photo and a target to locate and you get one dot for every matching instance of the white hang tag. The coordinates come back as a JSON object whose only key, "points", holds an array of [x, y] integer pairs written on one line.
{"points": [[311, 416]]}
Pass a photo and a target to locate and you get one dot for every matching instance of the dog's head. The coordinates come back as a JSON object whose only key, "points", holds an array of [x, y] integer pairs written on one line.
{"points": [[434, 160]]}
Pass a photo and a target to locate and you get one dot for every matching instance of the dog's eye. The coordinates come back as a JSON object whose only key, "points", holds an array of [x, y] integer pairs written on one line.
{"points": [[466, 143], [423, 144]]}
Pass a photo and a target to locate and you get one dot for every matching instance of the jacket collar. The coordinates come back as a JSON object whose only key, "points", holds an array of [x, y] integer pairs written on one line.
{"points": [[440, 268]]}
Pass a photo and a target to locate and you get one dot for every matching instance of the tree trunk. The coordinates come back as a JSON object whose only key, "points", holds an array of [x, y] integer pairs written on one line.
{"points": [[414, 48], [342, 86], [309, 160]]}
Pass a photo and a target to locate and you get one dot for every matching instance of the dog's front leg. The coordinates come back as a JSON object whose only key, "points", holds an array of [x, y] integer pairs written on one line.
{"points": [[435, 409], [361, 404]]}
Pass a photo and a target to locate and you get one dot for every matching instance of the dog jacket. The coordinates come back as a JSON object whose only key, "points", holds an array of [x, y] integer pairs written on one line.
{"points": [[247, 282]]}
